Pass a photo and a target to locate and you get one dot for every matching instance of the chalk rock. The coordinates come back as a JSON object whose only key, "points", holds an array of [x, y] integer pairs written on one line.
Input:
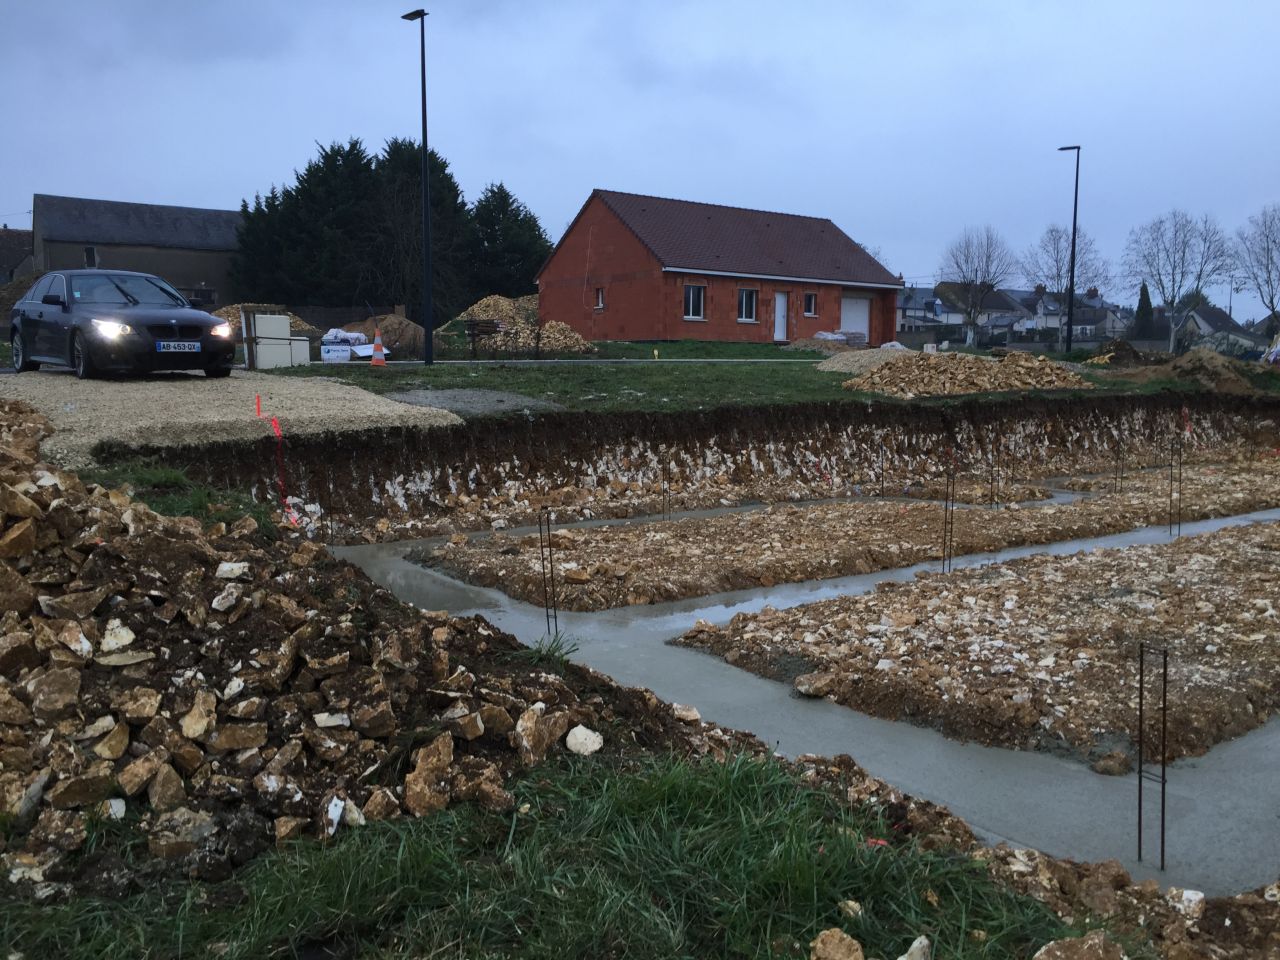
{"points": [[1095, 946], [116, 636], [920, 949], [228, 570], [583, 742], [834, 944]]}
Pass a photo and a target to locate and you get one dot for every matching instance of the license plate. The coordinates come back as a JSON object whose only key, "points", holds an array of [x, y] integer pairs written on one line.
{"points": [[178, 346]]}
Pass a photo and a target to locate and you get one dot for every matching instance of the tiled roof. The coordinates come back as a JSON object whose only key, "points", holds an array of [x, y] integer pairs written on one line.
{"points": [[76, 220], [683, 234]]}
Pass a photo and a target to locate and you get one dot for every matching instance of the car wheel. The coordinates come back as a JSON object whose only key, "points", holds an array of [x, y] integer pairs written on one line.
{"points": [[217, 373], [80, 359], [20, 362]]}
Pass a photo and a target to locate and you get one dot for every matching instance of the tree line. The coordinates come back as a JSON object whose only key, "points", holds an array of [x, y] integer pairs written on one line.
{"points": [[1177, 256], [348, 232]]}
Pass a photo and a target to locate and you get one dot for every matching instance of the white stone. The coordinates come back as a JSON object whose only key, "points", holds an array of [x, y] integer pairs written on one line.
{"points": [[227, 570], [884, 664], [920, 949], [232, 688], [114, 809], [116, 637], [685, 713], [332, 720], [333, 815], [583, 742], [227, 598]]}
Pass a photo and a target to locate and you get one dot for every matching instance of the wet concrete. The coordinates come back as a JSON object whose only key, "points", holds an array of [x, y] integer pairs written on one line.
{"points": [[1223, 808]]}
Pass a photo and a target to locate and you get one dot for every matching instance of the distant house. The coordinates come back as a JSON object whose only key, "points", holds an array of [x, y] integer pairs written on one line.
{"points": [[920, 308], [632, 267], [15, 254], [1210, 322], [190, 247]]}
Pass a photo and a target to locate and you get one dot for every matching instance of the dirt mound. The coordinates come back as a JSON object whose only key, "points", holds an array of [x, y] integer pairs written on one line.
{"points": [[939, 374], [1122, 353], [858, 362], [816, 343], [1213, 371], [401, 336], [298, 326], [520, 332], [222, 691]]}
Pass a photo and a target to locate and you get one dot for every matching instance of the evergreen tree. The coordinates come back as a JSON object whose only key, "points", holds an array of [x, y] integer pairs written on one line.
{"points": [[1144, 316], [511, 245]]}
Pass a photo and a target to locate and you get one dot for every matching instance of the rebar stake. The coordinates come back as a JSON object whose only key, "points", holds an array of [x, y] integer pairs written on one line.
{"points": [[1143, 774], [949, 513], [547, 556]]}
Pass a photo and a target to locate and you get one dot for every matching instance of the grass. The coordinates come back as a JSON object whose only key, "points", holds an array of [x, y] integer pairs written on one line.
{"points": [[666, 859], [168, 490], [552, 652]]}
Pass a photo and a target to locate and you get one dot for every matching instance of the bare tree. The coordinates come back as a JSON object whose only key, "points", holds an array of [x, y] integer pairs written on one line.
{"points": [[1177, 254], [1048, 262], [1258, 258], [976, 263]]}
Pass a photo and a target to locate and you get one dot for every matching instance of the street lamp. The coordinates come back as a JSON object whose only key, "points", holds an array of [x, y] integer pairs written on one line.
{"points": [[1071, 282], [421, 17]]}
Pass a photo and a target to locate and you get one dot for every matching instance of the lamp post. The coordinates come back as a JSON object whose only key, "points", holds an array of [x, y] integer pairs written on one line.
{"points": [[427, 324], [1071, 282]]}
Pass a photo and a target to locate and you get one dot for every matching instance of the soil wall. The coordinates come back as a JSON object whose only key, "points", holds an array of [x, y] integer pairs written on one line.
{"points": [[818, 449]]}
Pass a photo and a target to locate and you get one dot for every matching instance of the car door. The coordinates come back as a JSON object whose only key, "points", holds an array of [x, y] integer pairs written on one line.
{"points": [[30, 311], [55, 323]]}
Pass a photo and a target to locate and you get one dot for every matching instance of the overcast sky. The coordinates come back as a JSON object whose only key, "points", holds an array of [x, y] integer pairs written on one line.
{"points": [[902, 121]]}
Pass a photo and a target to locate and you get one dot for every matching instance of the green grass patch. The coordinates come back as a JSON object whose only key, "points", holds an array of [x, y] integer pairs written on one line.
{"points": [[168, 490], [552, 652], [664, 860]]}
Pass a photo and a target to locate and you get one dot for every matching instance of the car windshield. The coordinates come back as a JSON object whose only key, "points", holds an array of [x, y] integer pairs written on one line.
{"points": [[124, 289]]}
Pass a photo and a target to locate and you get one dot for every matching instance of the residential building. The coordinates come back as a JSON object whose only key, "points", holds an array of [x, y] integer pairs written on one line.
{"points": [[190, 247], [15, 254], [632, 267]]}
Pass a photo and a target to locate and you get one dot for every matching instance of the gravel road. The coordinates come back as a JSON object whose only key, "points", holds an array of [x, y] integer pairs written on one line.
{"points": [[180, 408]]}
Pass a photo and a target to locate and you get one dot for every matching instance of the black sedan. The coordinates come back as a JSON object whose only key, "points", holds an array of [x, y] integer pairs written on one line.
{"points": [[98, 321]]}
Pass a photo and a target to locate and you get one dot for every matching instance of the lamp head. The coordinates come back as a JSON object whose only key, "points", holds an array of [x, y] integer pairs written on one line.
{"points": [[413, 15], [1069, 148]]}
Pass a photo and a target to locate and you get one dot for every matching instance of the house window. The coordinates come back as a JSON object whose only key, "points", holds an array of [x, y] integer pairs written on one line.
{"points": [[694, 297], [91, 258], [810, 304], [599, 298], [746, 306]]}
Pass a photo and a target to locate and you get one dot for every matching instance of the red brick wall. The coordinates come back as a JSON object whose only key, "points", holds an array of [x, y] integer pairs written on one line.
{"points": [[643, 303]]}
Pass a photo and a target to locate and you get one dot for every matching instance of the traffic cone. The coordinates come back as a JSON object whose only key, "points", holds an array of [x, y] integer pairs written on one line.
{"points": [[379, 359]]}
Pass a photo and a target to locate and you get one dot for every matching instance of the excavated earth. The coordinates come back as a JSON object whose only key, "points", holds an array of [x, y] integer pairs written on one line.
{"points": [[602, 567], [218, 690], [1041, 652]]}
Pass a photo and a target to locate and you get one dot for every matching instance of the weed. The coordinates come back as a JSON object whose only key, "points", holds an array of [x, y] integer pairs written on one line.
{"points": [[168, 490], [553, 651]]}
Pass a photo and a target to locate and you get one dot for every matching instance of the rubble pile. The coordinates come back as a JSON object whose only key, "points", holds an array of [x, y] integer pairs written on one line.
{"points": [[611, 566], [1042, 652], [223, 691], [520, 330], [297, 326], [1212, 370], [820, 344], [861, 362], [938, 374], [1122, 353]]}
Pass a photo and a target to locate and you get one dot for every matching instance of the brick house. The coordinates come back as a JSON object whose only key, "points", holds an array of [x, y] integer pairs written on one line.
{"points": [[632, 267]]}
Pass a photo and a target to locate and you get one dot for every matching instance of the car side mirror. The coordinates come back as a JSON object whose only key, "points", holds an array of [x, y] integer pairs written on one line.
{"points": [[195, 302], [53, 300]]}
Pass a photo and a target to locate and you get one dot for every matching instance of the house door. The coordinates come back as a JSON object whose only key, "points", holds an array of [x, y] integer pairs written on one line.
{"points": [[855, 315], [779, 316]]}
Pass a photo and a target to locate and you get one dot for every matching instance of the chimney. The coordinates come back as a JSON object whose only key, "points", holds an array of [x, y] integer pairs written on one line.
{"points": [[1092, 293], [1040, 290]]}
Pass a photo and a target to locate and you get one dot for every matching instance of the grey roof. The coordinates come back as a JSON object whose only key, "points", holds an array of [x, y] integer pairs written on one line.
{"points": [[1217, 319], [76, 220], [683, 234]]}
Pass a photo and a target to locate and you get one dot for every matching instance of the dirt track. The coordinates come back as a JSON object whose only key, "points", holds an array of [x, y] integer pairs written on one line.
{"points": [[172, 408]]}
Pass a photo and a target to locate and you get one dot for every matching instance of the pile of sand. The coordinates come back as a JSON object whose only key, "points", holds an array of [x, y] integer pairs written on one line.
{"points": [[297, 326], [1213, 371], [858, 362], [816, 343], [938, 374], [401, 336]]}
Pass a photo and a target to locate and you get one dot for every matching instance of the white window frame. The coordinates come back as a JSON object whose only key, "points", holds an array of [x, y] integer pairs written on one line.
{"points": [[755, 305], [702, 301], [807, 311], [599, 298]]}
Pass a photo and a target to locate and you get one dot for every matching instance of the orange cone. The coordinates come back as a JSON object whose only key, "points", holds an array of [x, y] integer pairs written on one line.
{"points": [[379, 359]]}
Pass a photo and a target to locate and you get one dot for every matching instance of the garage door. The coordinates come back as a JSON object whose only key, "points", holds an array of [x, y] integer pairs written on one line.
{"points": [[855, 315]]}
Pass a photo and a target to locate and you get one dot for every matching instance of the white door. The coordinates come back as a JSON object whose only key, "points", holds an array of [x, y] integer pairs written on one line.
{"points": [[779, 316], [855, 315]]}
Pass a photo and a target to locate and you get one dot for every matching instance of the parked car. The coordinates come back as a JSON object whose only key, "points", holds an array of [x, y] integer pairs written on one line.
{"points": [[96, 321]]}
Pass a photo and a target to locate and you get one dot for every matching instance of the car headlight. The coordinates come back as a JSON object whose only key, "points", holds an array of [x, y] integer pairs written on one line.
{"points": [[221, 330], [111, 328]]}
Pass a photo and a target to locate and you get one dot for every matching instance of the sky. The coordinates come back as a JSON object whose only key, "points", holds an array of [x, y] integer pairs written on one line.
{"points": [[903, 121]]}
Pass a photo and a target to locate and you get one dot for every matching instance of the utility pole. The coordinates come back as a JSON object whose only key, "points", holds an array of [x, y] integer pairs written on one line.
{"points": [[1071, 283], [427, 322]]}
